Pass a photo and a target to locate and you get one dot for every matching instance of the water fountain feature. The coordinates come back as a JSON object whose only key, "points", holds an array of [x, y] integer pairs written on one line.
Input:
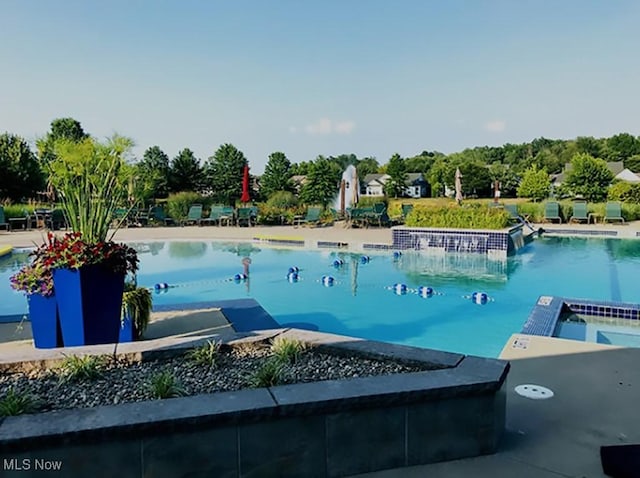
{"points": [[348, 191]]}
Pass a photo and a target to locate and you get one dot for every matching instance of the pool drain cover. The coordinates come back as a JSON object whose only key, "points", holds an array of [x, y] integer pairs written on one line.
{"points": [[535, 392]]}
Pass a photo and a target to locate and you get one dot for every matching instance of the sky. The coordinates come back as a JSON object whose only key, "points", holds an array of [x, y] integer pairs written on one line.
{"points": [[309, 78]]}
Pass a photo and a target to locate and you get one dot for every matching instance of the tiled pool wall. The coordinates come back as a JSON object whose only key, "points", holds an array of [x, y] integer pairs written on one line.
{"points": [[545, 314], [492, 243], [319, 429]]}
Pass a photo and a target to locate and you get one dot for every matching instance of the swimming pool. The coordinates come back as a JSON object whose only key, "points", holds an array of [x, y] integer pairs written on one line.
{"points": [[360, 304]]}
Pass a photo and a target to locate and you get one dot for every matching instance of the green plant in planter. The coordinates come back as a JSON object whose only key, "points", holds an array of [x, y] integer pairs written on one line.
{"points": [[16, 403], [165, 385], [75, 368], [287, 350], [207, 354], [269, 374], [137, 304]]}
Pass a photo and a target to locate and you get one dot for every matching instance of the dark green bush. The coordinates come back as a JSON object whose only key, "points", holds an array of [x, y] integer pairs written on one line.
{"points": [[471, 216], [624, 192], [178, 204], [369, 201], [282, 200]]}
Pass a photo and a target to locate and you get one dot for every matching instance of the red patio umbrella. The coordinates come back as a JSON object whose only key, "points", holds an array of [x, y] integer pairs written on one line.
{"points": [[245, 185]]}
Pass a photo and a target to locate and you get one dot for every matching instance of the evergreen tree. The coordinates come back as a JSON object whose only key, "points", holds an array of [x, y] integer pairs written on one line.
{"points": [[322, 183], [185, 172], [223, 174], [277, 175]]}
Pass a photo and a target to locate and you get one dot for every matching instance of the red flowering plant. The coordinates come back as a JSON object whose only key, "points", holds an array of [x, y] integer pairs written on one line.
{"points": [[71, 252]]}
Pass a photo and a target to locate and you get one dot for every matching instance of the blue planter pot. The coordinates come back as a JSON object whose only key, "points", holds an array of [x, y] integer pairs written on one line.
{"points": [[128, 332], [89, 305], [45, 326]]}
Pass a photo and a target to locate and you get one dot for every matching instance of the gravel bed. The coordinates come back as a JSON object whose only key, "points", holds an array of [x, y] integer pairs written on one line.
{"points": [[122, 381]]}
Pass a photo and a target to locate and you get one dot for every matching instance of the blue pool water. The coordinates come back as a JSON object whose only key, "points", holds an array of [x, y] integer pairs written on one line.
{"points": [[359, 303]]}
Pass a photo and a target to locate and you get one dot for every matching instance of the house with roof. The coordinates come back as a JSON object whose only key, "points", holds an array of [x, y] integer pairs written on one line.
{"points": [[616, 167], [416, 186]]}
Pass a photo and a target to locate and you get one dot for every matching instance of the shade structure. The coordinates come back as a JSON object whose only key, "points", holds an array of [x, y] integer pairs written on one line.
{"points": [[245, 185], [458, 185]]}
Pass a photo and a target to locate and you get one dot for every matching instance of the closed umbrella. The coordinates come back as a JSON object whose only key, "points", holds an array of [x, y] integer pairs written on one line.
{"points": [[458, 186], [245, 185]]}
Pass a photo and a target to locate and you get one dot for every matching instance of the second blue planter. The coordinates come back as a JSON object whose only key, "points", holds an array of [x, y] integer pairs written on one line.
{"points": [[89, 304], [45, 326]]}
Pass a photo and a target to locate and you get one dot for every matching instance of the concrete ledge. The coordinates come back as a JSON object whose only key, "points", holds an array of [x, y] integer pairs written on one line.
{"points": [[331, 428]]}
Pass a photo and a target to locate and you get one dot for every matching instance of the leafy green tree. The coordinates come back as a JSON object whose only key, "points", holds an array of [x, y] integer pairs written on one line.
{"points": [[61, 129], [185, 172], [397, 171], [223, 174], [301, 168], [322, 183], [589, 145], [366, 166], [20, 173], [476, 178], [622, 146], [153, 173], [589, 177], [437, 177], [535, 184], [508, 179], [277, 175], [633, 163]]}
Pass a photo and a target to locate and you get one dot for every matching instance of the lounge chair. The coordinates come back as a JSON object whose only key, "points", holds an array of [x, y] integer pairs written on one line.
{"points": [[157, 214], [3, 222], [579, 212], [379, 214], [56, 220], [552, 212], [312, 217], [406, 210], [214, 215], [244, 216], [360, 216], [613, 212], [194, 216]]}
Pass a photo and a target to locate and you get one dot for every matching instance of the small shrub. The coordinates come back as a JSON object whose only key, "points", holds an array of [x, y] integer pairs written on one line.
{"points": [[165, 385], [178, 204], [14, 403], [470, 216], [268, 375], [368, 201], [76, 368], [624, 192], [207, 354], [287, 350], [282, 200]]}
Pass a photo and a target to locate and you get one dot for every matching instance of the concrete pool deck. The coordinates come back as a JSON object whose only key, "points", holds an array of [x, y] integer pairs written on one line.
{"points": [[596, 392]]}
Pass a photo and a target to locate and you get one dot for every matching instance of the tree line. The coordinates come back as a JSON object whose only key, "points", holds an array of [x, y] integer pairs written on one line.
{"points": [[522, 169]]}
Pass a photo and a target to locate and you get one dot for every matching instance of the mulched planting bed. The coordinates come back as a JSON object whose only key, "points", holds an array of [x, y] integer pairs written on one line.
{"points": [[120, 381]]}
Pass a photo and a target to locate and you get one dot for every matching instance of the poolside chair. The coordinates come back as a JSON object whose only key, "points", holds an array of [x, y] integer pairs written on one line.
{"points": [[613, 212], [3, 221], [312, 217], [244, 216], [56, 220], [579, 212], [552, 212], [406, 210], [214, 215], [360, 216], [379, 214], [157, 214], [194, 216]]}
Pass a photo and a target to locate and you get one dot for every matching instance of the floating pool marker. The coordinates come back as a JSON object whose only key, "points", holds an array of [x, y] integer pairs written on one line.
{"points": [[425, 292], [240, 277], [397, 254], [292, 277], [338, 263], [365, 259], [294, 269], [327, 281], [534, 392], [399, 289], [161, 286], [480, 298]]}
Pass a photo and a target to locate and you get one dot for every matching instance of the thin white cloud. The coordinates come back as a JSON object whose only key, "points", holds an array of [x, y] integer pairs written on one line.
{"points": [[326, 126], [495, 126], [344, 127]]}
